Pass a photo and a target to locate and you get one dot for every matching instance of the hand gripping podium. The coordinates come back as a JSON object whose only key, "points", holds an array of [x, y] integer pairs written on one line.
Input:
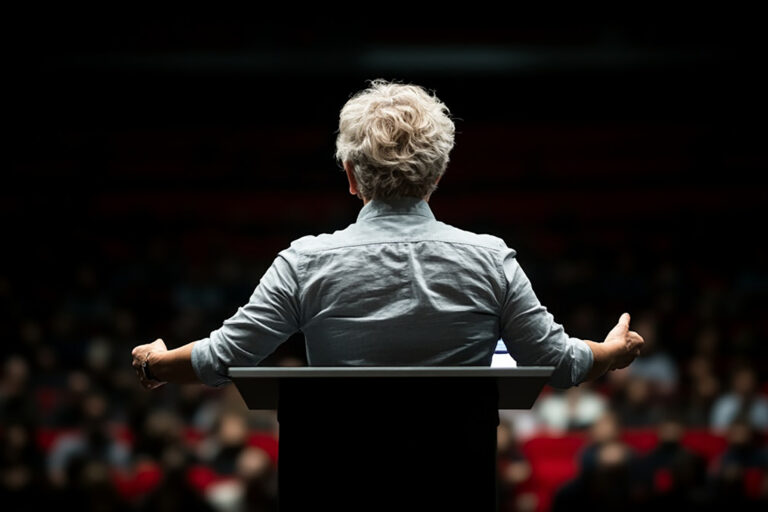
{"points": [[388, 438]]}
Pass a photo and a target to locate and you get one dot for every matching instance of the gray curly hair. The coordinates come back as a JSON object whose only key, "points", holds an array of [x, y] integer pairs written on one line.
{"points": [[397, 138]]}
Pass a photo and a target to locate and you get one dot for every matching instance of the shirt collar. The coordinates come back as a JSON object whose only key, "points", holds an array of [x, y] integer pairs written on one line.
{"points": [[396, 206]]}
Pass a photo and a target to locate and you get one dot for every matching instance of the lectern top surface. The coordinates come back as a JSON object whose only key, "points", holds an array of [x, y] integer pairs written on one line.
{"points": [[391, 371], [517, 387]]}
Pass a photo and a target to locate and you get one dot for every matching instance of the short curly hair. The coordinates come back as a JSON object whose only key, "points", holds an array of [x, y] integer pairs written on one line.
{"points": [[397, 137]]}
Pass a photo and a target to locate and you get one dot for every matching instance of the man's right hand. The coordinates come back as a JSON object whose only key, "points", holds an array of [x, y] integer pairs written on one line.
{"points": [[624, 345]]}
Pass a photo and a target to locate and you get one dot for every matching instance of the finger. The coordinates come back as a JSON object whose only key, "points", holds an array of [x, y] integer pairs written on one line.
{"points": [[624, 322], [621, 328]]}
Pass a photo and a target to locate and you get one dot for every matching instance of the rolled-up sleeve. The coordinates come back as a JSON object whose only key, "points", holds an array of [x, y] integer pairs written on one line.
{"points": [[532, 336], [256, 329]]}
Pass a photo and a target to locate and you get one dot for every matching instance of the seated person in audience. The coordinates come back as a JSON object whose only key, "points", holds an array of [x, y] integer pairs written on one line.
{"points": [[742, 401], [635, 404], [514, 468], [175, 492], [740, 475], [608, 481], [572, 409], [21, 465], [671, 473], [607, 429], [703, 388], [91, 443], [230, 438], [654, 364]]}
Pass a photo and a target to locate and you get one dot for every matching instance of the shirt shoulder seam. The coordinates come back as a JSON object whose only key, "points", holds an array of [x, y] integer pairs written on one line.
{"points": [[419, 240]]}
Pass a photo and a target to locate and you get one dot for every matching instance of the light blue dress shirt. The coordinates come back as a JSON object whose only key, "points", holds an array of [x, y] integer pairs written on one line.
{"points": [[396, 288]]}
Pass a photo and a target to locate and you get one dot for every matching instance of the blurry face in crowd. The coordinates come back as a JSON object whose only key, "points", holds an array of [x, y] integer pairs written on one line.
{"points": [[670, 431], [233, 430], [638, 391], [744, 381], [605, 429], [739, 433]]}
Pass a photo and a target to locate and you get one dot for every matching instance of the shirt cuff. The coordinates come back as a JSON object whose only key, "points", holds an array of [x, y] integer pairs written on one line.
{"points": [[204, 364], [583, 359]]}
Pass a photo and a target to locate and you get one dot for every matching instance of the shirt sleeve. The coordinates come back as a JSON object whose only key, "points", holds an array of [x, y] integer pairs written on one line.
{"points": [[256, 329], [532, 336]]}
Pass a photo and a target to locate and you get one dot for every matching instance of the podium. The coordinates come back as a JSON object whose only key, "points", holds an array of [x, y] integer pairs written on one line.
{"points": [[388, 438]]}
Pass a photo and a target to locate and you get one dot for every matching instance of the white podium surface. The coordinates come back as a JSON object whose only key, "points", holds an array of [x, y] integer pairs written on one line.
{"points": [[518, 387]]}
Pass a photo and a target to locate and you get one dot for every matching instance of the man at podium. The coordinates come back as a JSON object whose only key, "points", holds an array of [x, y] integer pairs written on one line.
{"points": [[397, 287]]}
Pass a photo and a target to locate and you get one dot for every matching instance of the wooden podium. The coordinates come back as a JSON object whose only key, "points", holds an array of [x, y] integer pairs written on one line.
{"points": [[388, 438]]}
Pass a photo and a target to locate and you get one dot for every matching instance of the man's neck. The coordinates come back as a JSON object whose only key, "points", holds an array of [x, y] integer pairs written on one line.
{"points": [[366, 201]]}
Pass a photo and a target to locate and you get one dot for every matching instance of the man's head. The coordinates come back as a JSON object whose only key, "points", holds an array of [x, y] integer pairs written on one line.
{"points": [[394, 141]]}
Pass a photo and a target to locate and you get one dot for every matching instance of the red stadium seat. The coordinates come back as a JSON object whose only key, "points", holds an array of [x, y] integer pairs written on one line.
{"points": [[144, 479], [266, 442], [705, 443], [553, 462], [641, 440]]}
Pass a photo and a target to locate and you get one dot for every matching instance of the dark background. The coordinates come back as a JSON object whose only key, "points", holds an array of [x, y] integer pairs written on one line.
{"points": [[156, 164]]}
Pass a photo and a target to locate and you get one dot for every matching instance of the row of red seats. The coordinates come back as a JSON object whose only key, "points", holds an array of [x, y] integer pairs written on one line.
{"points": [[553, 458]]}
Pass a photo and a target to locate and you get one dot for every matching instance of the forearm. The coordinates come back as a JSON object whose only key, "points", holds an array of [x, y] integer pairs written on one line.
{"points": [[174, 365], [603, 359]]}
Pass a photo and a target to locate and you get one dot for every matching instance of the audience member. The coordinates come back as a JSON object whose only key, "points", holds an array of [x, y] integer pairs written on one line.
{"points": [[175, 493], [572, 409], [740, 476], [703, 388], [742, 401], [21, 466], [254, 488], [635, 404], [221, 451], [513, 467], [608, 480], [92, 442], [15, 403], [671, 475], [655, 365]]}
